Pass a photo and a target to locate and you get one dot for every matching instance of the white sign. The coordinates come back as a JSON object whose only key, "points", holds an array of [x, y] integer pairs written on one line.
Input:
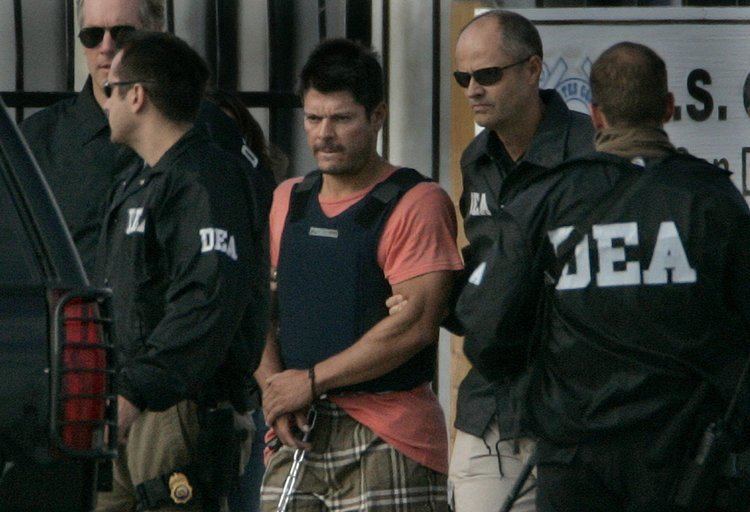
{"points": [[707, 52]]}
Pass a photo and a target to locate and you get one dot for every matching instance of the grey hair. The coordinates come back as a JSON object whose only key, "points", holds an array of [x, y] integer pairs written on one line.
{"points": [[519, 35], [150, 12]]}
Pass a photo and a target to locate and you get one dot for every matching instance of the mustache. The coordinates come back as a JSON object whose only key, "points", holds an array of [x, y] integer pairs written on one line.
{"points": [[328, 148]]}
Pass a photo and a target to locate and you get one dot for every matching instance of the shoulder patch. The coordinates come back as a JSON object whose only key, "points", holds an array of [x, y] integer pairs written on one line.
{"points": [[215, 239]]}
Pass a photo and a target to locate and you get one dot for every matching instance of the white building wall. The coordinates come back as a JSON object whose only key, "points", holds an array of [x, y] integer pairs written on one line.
{"points": [[252, 41], [7, 49]]}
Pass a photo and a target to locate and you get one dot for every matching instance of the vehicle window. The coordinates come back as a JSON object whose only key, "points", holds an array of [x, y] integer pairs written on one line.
{"points": [[18, 264]]}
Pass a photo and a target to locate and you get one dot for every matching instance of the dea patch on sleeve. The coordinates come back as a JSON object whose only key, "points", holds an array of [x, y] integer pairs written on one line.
{"points": [[215, 239]]}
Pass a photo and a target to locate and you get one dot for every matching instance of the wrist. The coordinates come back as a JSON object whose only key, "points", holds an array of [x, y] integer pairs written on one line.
{"points": [[313, 385]]}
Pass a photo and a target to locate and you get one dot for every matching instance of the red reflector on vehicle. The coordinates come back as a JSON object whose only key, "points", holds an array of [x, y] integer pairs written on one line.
{"points": [[84, 378]]}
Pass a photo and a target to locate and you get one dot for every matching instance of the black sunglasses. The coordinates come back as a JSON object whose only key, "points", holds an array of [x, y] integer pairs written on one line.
{"points": [[484, 76], [109, 86], [91, 37]]}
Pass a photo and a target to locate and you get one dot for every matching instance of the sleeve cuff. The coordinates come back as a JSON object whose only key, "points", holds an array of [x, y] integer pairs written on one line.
{"points": [[124, 388]]}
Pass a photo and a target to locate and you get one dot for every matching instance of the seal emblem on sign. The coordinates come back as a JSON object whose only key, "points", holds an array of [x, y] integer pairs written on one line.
{"points": [[571, 82]]}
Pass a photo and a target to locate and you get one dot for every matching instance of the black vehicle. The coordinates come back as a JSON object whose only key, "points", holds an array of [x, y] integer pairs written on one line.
{"points": [[57, 403]]}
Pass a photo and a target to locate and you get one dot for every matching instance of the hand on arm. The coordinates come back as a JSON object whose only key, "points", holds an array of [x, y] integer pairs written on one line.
{"points": [[395, 304]]}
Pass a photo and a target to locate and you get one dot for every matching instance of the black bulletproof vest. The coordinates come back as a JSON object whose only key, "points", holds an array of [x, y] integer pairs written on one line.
{"points": [[331, 289]]}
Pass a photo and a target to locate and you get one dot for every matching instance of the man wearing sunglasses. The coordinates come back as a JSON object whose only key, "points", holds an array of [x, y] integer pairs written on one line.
{"points": [[182, 248], [71, 139], [526, 130], [639, 266]]}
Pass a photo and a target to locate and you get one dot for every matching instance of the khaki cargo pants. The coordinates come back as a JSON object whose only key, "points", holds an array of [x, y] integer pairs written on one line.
{"points": [[158, 443]]}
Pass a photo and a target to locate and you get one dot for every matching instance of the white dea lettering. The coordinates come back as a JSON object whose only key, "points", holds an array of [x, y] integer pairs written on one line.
{"points": [[669, 261], [669, 254], [214, 239], [478, 205], [582, 276], [609, 255], [136, 222]]}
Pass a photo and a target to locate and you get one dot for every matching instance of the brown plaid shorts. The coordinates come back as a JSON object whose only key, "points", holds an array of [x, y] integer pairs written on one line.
{"points": [[349, 468]]}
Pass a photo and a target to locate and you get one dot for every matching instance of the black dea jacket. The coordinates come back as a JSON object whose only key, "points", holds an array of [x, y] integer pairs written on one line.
{"points": [[655, 301], [491, 179], [182, 249], [70, 141]]}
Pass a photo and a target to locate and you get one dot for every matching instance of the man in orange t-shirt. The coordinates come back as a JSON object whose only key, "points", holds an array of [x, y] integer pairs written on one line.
{"points": [[343, 240]]}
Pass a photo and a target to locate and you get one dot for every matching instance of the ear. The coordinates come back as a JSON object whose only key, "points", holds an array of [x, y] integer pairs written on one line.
{"points": [[378, 115], [598, 119], [535, 67], [137, 98], [669, 109]]}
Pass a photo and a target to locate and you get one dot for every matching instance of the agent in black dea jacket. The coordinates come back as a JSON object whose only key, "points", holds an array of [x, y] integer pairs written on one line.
{"points": [[490, 179], [643, 335], [182, 247]]}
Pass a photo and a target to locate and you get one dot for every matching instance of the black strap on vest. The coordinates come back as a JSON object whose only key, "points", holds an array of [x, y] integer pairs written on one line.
{"points": [[300, 195], [382, 194], [386, 192]]}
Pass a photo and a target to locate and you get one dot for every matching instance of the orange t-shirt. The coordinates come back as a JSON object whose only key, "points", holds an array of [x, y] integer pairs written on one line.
{"points": [[419, 237]]}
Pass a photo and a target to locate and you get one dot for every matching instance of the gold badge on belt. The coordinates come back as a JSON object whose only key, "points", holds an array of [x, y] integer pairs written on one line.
{"points": [[180, 489]]}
